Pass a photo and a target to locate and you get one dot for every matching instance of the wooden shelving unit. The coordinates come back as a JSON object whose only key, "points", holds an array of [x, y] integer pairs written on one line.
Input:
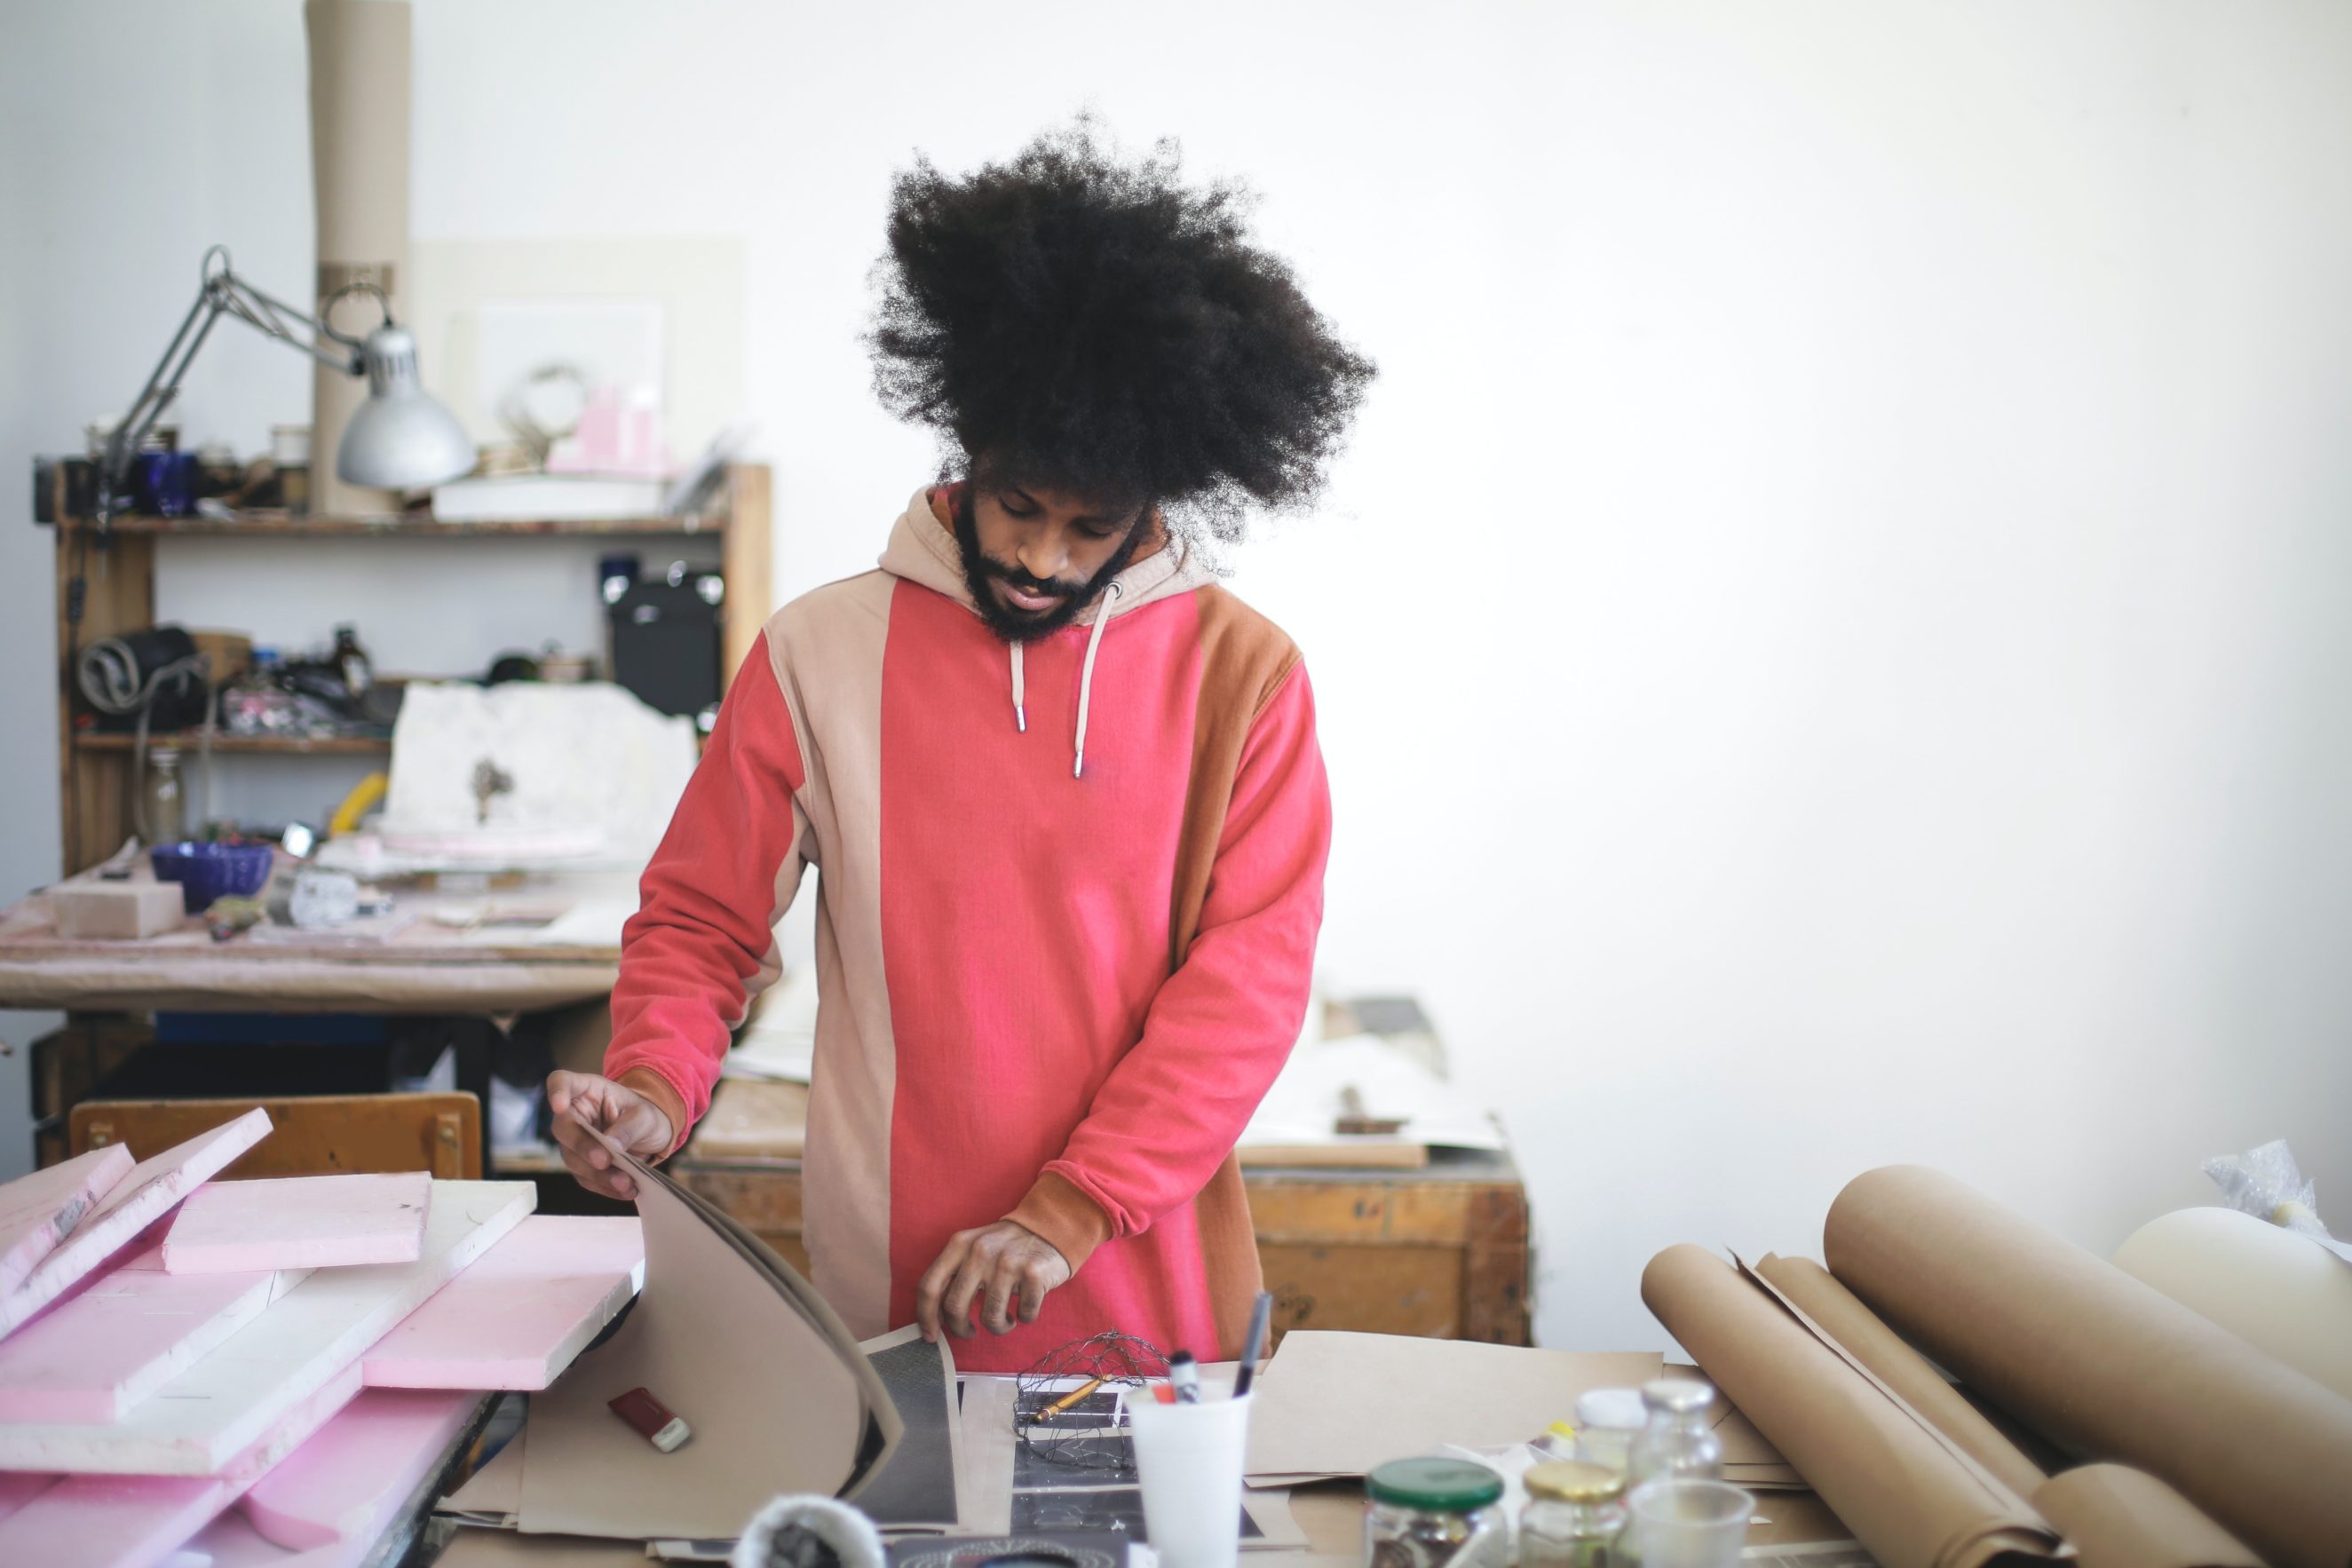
{"points": [[95, 783], [226, 744]]}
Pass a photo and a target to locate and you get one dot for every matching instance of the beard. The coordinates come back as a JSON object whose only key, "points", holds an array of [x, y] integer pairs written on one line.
{"points": [[982, 571]]}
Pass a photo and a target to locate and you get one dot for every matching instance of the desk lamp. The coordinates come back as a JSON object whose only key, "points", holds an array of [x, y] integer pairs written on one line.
{"points": [[401, 438]]}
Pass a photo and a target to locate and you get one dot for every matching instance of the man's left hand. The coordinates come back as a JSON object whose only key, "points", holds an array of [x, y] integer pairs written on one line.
{"points": [[1004, 1269]]}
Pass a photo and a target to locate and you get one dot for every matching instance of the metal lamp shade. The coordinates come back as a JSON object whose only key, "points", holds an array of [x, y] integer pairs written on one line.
{"points": [[401, 438]]}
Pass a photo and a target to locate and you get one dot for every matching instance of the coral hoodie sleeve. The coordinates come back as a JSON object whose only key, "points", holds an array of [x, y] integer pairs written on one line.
{"points": [[702, 942], [1224, 1022]]}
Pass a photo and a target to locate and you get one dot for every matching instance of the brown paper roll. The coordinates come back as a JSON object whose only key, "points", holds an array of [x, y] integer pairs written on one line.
{"points": [[1838, 1311], [2118, 1516], [1897, 1486], [2100, 1362]]}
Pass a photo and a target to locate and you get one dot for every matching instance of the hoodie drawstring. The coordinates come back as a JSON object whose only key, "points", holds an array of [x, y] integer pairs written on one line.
{"points": [[1086, 685], [1086, 680]]}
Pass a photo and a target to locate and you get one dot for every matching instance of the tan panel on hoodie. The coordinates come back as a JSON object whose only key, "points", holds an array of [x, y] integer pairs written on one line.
{"points": [[1245, 657]]}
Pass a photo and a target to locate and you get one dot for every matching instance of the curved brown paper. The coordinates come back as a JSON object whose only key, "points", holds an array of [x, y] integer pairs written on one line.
{"points": [[2098, 1362], [1815, 1292], [1892, 1480], [2118, 1516]]}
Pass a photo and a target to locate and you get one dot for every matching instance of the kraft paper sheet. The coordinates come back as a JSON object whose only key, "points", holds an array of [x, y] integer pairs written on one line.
{"points": [[1905, 1490], [2118, 1516], [2099, 1363]]}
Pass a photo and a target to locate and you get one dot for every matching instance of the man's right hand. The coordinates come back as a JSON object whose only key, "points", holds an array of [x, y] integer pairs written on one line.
{"points": [[623, 1115]]}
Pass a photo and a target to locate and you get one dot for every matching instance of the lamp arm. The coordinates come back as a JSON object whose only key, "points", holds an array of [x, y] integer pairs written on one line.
{"points": [[224, 292]]}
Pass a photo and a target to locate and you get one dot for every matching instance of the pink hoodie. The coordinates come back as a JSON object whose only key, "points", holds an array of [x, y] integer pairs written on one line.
{"points": [[1068, 897]]}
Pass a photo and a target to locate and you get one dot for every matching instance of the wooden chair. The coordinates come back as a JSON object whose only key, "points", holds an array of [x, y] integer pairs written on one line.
{"points": [[313, 1135]]}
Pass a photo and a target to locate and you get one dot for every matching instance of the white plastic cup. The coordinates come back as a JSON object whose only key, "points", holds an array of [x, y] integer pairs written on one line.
{"points": [[1189, 1459], [1683, 1523]]}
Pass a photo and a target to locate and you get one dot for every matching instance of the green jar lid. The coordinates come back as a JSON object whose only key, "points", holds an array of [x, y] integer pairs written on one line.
{"points": [[1434, 1486]]}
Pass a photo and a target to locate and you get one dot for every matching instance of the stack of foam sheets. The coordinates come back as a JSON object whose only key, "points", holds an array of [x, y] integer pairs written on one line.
{"points": [[248, 1373]]}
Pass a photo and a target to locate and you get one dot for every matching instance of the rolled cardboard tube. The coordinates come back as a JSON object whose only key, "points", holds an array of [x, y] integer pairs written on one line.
{"points": [[2098, 1362]]}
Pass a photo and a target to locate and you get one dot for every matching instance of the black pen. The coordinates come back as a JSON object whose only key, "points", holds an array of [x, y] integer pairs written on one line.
{"points": [[1186, 1373], [1261, 1318]]}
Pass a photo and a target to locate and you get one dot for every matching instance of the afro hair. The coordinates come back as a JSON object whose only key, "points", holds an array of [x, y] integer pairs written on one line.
{"points": [[1076, 323]]}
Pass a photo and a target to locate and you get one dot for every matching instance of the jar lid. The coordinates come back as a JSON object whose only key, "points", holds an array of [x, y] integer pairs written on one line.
{"points": [[1680, 1396], [1437, 1486], [1568, 1480], [1616, 1408]]}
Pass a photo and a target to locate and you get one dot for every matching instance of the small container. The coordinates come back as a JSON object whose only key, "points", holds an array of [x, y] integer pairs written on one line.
{"points": [[1574, 1515], [1679, 1442], [1688, 1524], [166, 803], [1434, 1513], [1607, 1422]]}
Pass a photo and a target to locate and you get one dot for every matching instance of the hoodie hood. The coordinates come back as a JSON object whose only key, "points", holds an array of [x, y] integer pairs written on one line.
{"points": [[923, 550]]}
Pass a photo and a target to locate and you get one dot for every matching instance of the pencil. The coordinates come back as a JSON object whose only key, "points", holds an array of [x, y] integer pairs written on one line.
{"points": [[1067, 1401]]}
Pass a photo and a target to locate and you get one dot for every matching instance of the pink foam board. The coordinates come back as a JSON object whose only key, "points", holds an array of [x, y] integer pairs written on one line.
{"points": [[135, 1522], [38, 1211], [516, 1317], [298, 1222], [93, 1357], [200, 1421], [148, 1193], [17, 1489], [343, 1485]]}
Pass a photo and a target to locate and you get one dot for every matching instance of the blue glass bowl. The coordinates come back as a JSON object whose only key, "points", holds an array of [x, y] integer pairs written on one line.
{"points": [[209, 871]]}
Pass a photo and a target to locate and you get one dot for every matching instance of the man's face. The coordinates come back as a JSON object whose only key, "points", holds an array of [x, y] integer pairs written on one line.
{"points": [[1033, 558]]}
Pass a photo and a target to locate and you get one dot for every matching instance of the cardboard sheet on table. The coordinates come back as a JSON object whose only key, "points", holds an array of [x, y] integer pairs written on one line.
{"points": [[1342, 1404], [1905, 1490], [493, 1494], [731, 1340], [2097, 1362], [2116, 1517]]}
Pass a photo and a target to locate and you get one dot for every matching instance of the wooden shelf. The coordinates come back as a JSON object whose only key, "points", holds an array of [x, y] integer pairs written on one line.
{"points": [[223, 744], [406, 525], [118, 591]]}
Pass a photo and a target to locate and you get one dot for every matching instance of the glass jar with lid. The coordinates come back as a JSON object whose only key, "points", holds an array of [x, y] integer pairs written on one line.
{"points": [[1679, 1441], [1575, 1513], [1434, 1513]]}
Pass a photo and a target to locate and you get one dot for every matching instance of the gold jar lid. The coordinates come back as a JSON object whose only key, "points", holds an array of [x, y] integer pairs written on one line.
{"points": [[1571, 1480]]}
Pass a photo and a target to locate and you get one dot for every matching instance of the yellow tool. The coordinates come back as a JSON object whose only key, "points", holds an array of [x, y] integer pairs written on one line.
{"points": [[365, 797]]}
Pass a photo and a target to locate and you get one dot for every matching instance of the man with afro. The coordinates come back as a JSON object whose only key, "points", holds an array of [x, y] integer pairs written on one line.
{"points": [[1062, 787]]}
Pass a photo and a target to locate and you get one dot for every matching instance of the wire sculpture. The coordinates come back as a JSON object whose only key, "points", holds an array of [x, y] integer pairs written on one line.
{"points": [[1069, 1407]]}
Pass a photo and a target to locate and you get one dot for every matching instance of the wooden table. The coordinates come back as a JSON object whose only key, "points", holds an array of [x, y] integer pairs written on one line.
{"points": [[1439, 1251], [424, 969]]}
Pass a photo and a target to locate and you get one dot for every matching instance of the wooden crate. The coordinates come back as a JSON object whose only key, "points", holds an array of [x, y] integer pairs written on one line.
{"points": [[1440, 1252]]}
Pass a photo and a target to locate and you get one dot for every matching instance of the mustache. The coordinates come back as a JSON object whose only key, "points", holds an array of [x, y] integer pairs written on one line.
{"points": [[1013, 576]]}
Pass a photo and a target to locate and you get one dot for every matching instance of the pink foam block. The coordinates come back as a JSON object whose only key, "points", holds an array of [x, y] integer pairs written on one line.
{"points": [[343, 1485], [518, 1315], [38, 1211], [145, 1194], [17, 1489], [132, 1521], [300, 1222], [92, 1358], [202, 1419]]}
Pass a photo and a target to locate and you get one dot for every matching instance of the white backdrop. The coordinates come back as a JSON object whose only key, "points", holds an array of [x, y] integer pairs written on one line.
{"points": [[1830, 636]]}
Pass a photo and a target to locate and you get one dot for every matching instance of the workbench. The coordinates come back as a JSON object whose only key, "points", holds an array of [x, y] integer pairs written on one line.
{"points": [[1440, 1250]]}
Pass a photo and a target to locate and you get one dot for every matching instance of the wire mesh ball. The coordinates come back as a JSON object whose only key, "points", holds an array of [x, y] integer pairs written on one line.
{"points": [[1091, 1432]]}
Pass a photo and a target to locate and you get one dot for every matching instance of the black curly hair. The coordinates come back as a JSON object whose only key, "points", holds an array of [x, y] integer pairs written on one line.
{"points": [[1072, 322]]}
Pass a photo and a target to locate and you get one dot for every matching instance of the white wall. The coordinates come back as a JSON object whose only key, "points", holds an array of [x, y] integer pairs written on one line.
{"points": [[1827, 639]]}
